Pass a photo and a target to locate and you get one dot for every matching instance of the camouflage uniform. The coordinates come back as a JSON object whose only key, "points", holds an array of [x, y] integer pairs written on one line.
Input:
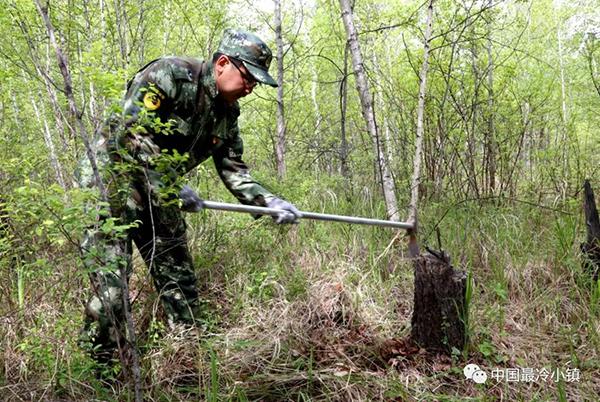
{"points": [[172, 120]]}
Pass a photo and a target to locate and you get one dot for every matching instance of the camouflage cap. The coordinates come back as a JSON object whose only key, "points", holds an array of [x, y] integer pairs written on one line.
{"points": [[251, 50]]}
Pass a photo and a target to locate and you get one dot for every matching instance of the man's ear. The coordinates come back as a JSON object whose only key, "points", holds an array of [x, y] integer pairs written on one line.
{"points": [[221, 63]]}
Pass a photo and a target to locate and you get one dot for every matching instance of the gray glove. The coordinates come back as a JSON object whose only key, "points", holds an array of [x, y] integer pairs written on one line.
{"points": [[190, 202], [288, 214]]}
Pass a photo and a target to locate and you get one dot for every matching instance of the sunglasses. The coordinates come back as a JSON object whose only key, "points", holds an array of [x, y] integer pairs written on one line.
{"points": [[249, 80]]}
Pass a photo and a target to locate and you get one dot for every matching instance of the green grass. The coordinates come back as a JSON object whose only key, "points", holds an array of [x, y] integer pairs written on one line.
{"points": [[299, 313]]}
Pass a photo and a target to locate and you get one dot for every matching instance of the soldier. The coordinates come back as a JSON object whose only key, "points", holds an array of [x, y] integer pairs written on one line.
{"points": [[177, 112]]}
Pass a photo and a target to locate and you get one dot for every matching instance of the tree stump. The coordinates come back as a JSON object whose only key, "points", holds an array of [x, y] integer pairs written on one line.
{"points": [[440, 310], [591, 248]]}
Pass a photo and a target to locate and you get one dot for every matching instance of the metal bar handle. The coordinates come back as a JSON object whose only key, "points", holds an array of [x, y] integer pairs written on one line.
{"points": [[223, 206]]}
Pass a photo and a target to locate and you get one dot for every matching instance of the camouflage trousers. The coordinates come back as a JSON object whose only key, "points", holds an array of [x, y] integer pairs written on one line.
{"points": [[161, 240]]}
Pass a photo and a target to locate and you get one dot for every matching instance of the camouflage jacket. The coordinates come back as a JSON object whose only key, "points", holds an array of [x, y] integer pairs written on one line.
{"points": [[171, 108]]}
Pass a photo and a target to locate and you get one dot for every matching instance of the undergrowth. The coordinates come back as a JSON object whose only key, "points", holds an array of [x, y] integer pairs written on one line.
{"points": [[310, 312]]}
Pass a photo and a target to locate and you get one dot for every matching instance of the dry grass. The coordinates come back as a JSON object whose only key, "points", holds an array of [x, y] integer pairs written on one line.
{"points": [[339, 336]]}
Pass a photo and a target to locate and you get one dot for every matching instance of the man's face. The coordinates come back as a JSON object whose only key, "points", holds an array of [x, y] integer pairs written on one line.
{"points": [[233, 80]]}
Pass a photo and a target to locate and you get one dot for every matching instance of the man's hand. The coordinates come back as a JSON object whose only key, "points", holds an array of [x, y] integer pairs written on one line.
{"points": [[288, 214], [190, 202]]}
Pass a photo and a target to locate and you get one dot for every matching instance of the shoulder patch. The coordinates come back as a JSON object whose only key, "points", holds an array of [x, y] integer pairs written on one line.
{"points": [[151, 100]]}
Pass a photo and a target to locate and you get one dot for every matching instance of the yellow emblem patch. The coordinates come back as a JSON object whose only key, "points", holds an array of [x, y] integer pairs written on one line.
{"points": [[151, 101]]}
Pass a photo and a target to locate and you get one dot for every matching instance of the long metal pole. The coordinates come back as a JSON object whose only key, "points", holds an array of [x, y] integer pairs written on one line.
{"points": [[223, 206]]}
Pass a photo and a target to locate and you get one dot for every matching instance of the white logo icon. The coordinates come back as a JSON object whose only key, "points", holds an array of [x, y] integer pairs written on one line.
{"points": [[473, 372]]}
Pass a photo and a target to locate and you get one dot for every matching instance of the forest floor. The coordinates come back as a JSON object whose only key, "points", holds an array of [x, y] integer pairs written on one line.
{"points": [[321, 312]]}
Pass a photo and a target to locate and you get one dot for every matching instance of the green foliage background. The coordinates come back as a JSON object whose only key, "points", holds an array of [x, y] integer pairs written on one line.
{"points": [[510, 134]]}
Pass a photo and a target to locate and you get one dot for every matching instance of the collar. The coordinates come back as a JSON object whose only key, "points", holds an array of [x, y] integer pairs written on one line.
{"points": [[208, 80]]}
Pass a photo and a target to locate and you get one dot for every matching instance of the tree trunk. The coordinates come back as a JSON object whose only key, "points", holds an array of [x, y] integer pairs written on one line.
{"points": [[529, 144], [280, 143], [49, 143], [122, 29], [385, 143], [17, 111], [343, 111], [76, 116], [103, 31], [68, 88], [141, 33], [591, 248], [389, 145], [592, 67], [366, 101], [416, 178], [472, 126], [562, 139], [44, 73], [491, 146], [313, 95], [440, 310], [59, 116]]}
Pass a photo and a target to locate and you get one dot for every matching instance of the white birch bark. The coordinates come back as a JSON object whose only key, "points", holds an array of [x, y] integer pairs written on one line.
{"points": [[491, 135], [562, 137], [68, 88], [76, 116], [366, 100], [563, 90], [529, 143], [103, 31], [59, 116], [281, 130], [416, 178], [343, 112], [48, 141], [16, 110], [318, 117], [122, 30], [386, 145]]}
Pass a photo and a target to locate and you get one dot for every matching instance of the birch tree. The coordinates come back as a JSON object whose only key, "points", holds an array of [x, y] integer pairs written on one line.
{"points": [[562, 133], [416, 178], [490, 141], [68, 90], [77, 117], [344, 170], [54, 162], [280, 141], [366, 101]]}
